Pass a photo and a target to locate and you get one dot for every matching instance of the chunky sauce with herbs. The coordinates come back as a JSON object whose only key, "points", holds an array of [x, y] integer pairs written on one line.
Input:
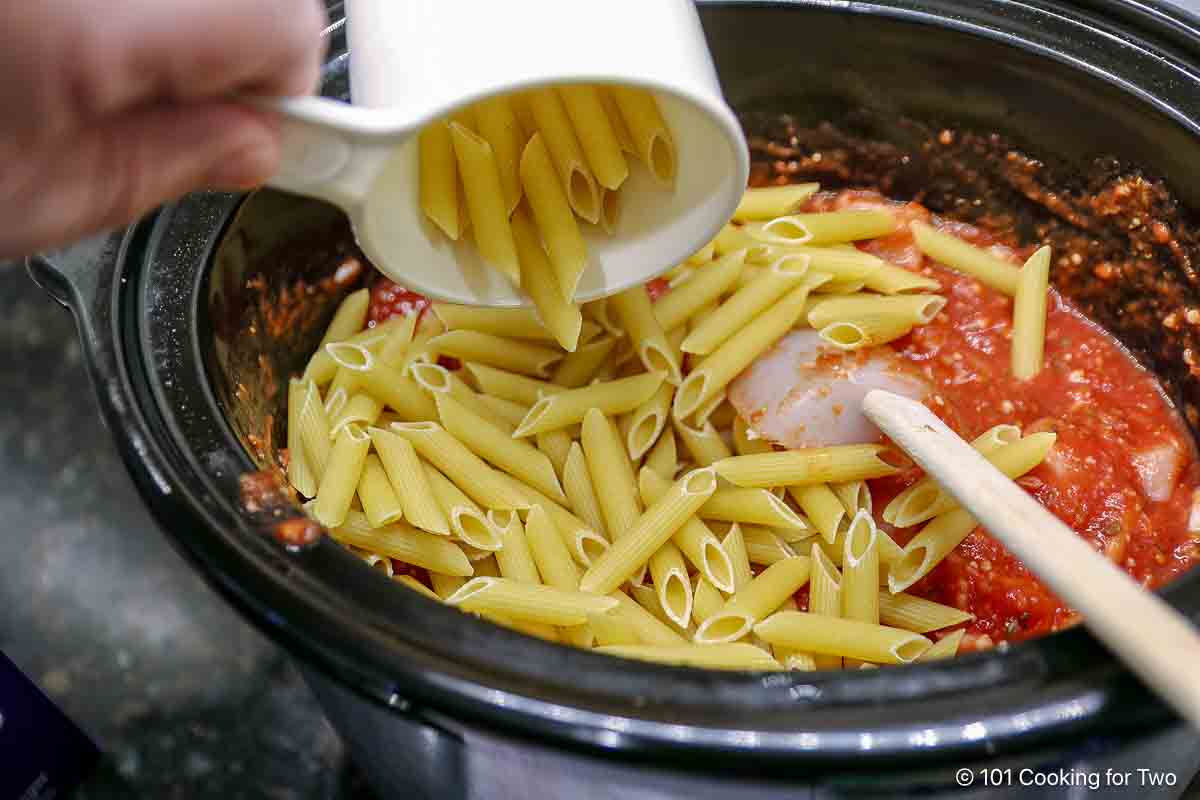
{"points": [[1122, 472]]}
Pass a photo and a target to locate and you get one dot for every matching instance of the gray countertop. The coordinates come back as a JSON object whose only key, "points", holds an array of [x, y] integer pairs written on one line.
{"points": [[185, 698]]}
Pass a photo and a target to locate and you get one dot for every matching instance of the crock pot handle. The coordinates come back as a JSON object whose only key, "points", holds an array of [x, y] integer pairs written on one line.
{"points": [[72, 276]]}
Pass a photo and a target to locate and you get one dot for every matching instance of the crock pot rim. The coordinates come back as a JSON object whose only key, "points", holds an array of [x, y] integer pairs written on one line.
{"points": [[260, 572]]}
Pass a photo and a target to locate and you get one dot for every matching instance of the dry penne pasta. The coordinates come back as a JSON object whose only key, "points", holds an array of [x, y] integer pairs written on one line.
{"points": [[946, 647], [585, 543], [437, 380], [361, 410], [336, 399], [734, 545], [439, 178], [889, 279], [694, 539], [647, 130], [704, 444], [830, 227], [737, 656], [550, 204], [409, 481], [769, 202], [581, 494], [648, 421], [821, 506], [646, 597], [629, 552], [531, 602], [706, 600], [918, 309], [734, 237], [612, 474], [509, 354], [555, 444], [509, 385], [403, 542], [504, 413], [682, 303], [860, 570], [1029, 316], [299, 469], [715, 372], [550, 554], [613, 628], [855, 496], [647, 337], [511, 323], [964, 257], [445, 585], [671, 582], [376, 562], [841, 265], [497, 124], [844, 287], [753, 506], [579, 367], [480, 175], [561, 141], [321, 367], [764, 546], [825, 598], [917, 614], [753, 602], [314, 430], [648, 628], [863, 641], [341, 476], [494, 445], [663, 457], [925, 550], [772, 283], [398, 392], [514, 556], [806, 467], [866, 330], [610, 397], [468, 522], [546, 461], [379, 501], [596, 134], [395, 345], [459, 464]]}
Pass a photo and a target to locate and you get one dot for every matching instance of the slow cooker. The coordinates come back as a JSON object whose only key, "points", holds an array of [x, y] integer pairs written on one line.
{"points": [[193, 318]]}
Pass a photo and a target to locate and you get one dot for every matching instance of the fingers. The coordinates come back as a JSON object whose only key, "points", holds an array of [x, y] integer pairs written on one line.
{"points": [[117, 172], [146, 52]]}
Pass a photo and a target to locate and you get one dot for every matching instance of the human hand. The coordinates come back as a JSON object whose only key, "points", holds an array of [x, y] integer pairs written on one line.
{"points": [[113, 108]]}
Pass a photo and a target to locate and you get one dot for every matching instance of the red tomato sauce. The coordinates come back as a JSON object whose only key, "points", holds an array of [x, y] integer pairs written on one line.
{"points": [[1105, 410], [390, 299]]}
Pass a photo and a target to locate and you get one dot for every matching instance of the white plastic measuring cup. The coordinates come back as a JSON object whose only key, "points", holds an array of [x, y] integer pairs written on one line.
{"points": [[413, 61]]}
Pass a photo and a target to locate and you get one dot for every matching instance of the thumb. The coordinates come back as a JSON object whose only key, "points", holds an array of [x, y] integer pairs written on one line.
{"points": [[123, 167], [163, 153]]}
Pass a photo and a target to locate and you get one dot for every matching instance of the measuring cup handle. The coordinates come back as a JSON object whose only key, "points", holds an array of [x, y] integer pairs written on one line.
{"points": [[319, 154]]}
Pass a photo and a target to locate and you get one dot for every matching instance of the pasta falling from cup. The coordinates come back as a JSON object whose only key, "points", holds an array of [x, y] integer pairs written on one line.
{"points": [[519, 173]]}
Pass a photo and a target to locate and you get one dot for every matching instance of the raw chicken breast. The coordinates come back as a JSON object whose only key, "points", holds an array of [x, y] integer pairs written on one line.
{"points": [[806, 393]]}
